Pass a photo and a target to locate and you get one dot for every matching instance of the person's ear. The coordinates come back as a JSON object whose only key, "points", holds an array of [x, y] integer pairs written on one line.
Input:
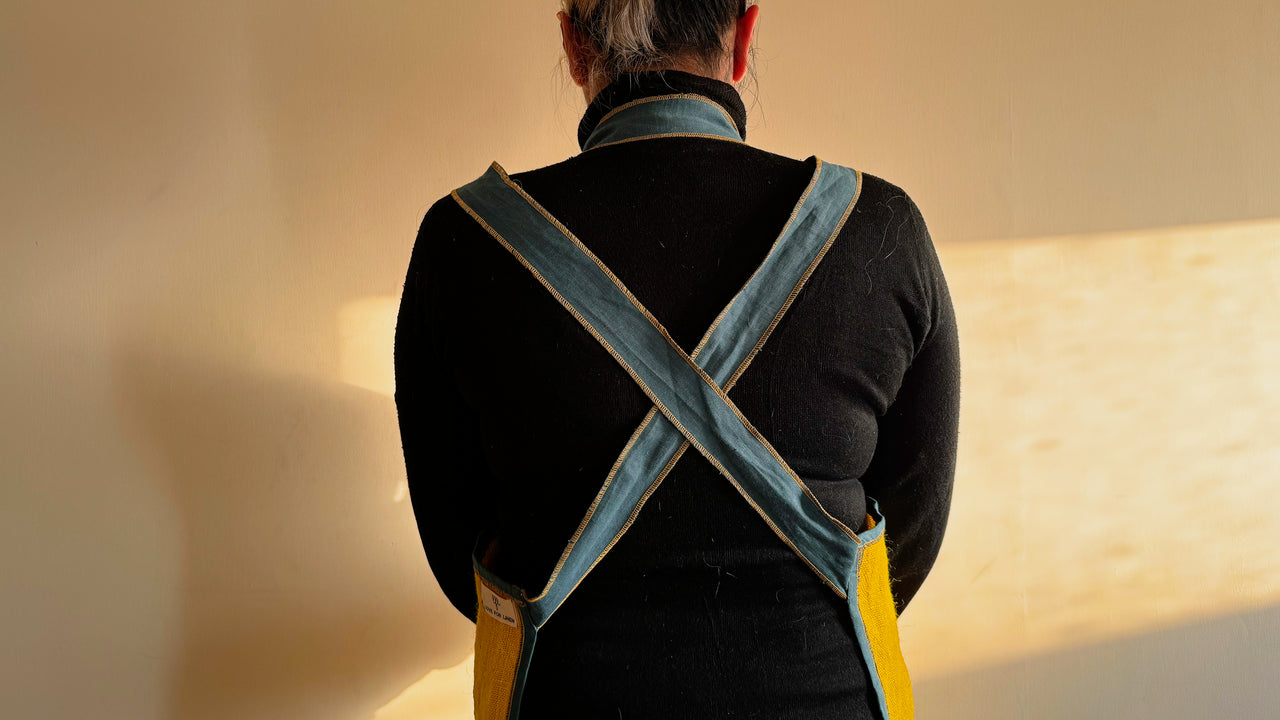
{"points": [[743, 35], [574, 50]]}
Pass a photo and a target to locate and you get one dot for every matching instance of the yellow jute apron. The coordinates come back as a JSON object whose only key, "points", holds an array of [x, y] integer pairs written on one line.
{"points": [[691, 408]]}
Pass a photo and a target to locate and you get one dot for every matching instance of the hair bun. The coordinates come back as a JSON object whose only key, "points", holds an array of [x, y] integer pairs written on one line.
{"points": [[631, 35]]}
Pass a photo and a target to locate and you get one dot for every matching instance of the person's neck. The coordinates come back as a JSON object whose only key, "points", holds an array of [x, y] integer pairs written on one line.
{"points": [[600, 82]]}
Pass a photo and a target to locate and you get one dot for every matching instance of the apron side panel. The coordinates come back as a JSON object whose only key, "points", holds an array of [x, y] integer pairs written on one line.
{"points": [[503, 648], [875, 618]]}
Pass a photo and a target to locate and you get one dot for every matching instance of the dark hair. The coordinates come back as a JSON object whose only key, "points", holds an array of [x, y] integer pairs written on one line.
{"points": [[630, 35]]}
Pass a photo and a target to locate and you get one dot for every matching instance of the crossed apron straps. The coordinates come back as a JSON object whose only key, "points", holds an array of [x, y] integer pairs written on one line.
{"points": [[691, 407], [687, 391]]}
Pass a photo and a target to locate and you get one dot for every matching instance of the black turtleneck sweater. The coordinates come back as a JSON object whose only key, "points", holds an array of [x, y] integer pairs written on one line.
{"points": [[511, 415]]}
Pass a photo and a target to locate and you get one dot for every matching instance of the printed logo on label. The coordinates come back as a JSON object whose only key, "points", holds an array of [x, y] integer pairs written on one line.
{"points": [[501, 609]]}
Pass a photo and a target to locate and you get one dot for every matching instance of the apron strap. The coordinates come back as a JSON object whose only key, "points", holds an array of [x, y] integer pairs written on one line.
{"points": [[689, 392], [659, 116]]}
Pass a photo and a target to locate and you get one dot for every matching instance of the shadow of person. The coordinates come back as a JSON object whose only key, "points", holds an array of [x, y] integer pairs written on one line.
{"points": [[305, 591]]}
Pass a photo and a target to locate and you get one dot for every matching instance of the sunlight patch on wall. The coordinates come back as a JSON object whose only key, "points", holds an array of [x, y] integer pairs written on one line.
{"points": [[1119, 461], [441, 695], [367, 331]]}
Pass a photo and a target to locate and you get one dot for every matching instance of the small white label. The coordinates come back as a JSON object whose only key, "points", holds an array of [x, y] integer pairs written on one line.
{"points": [[501, 609]]}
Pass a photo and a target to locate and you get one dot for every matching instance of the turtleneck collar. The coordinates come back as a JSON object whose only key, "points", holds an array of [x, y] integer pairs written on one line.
{"points": [[648, 83]]}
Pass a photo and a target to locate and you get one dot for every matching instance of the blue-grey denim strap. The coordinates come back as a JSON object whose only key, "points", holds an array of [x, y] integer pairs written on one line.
{"points": [[687, 390], [686, 115]]}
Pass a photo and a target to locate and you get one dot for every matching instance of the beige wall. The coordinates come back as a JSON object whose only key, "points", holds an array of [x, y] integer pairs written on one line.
{"points": [[207, 213]]}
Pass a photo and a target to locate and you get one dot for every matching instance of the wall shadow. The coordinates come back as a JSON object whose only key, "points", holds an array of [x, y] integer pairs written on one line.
{"points": [[305, 591], [1220, 668]]}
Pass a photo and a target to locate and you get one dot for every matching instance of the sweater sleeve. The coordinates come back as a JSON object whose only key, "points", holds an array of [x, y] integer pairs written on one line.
{"points": [[440, 434], [913, 470]]}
